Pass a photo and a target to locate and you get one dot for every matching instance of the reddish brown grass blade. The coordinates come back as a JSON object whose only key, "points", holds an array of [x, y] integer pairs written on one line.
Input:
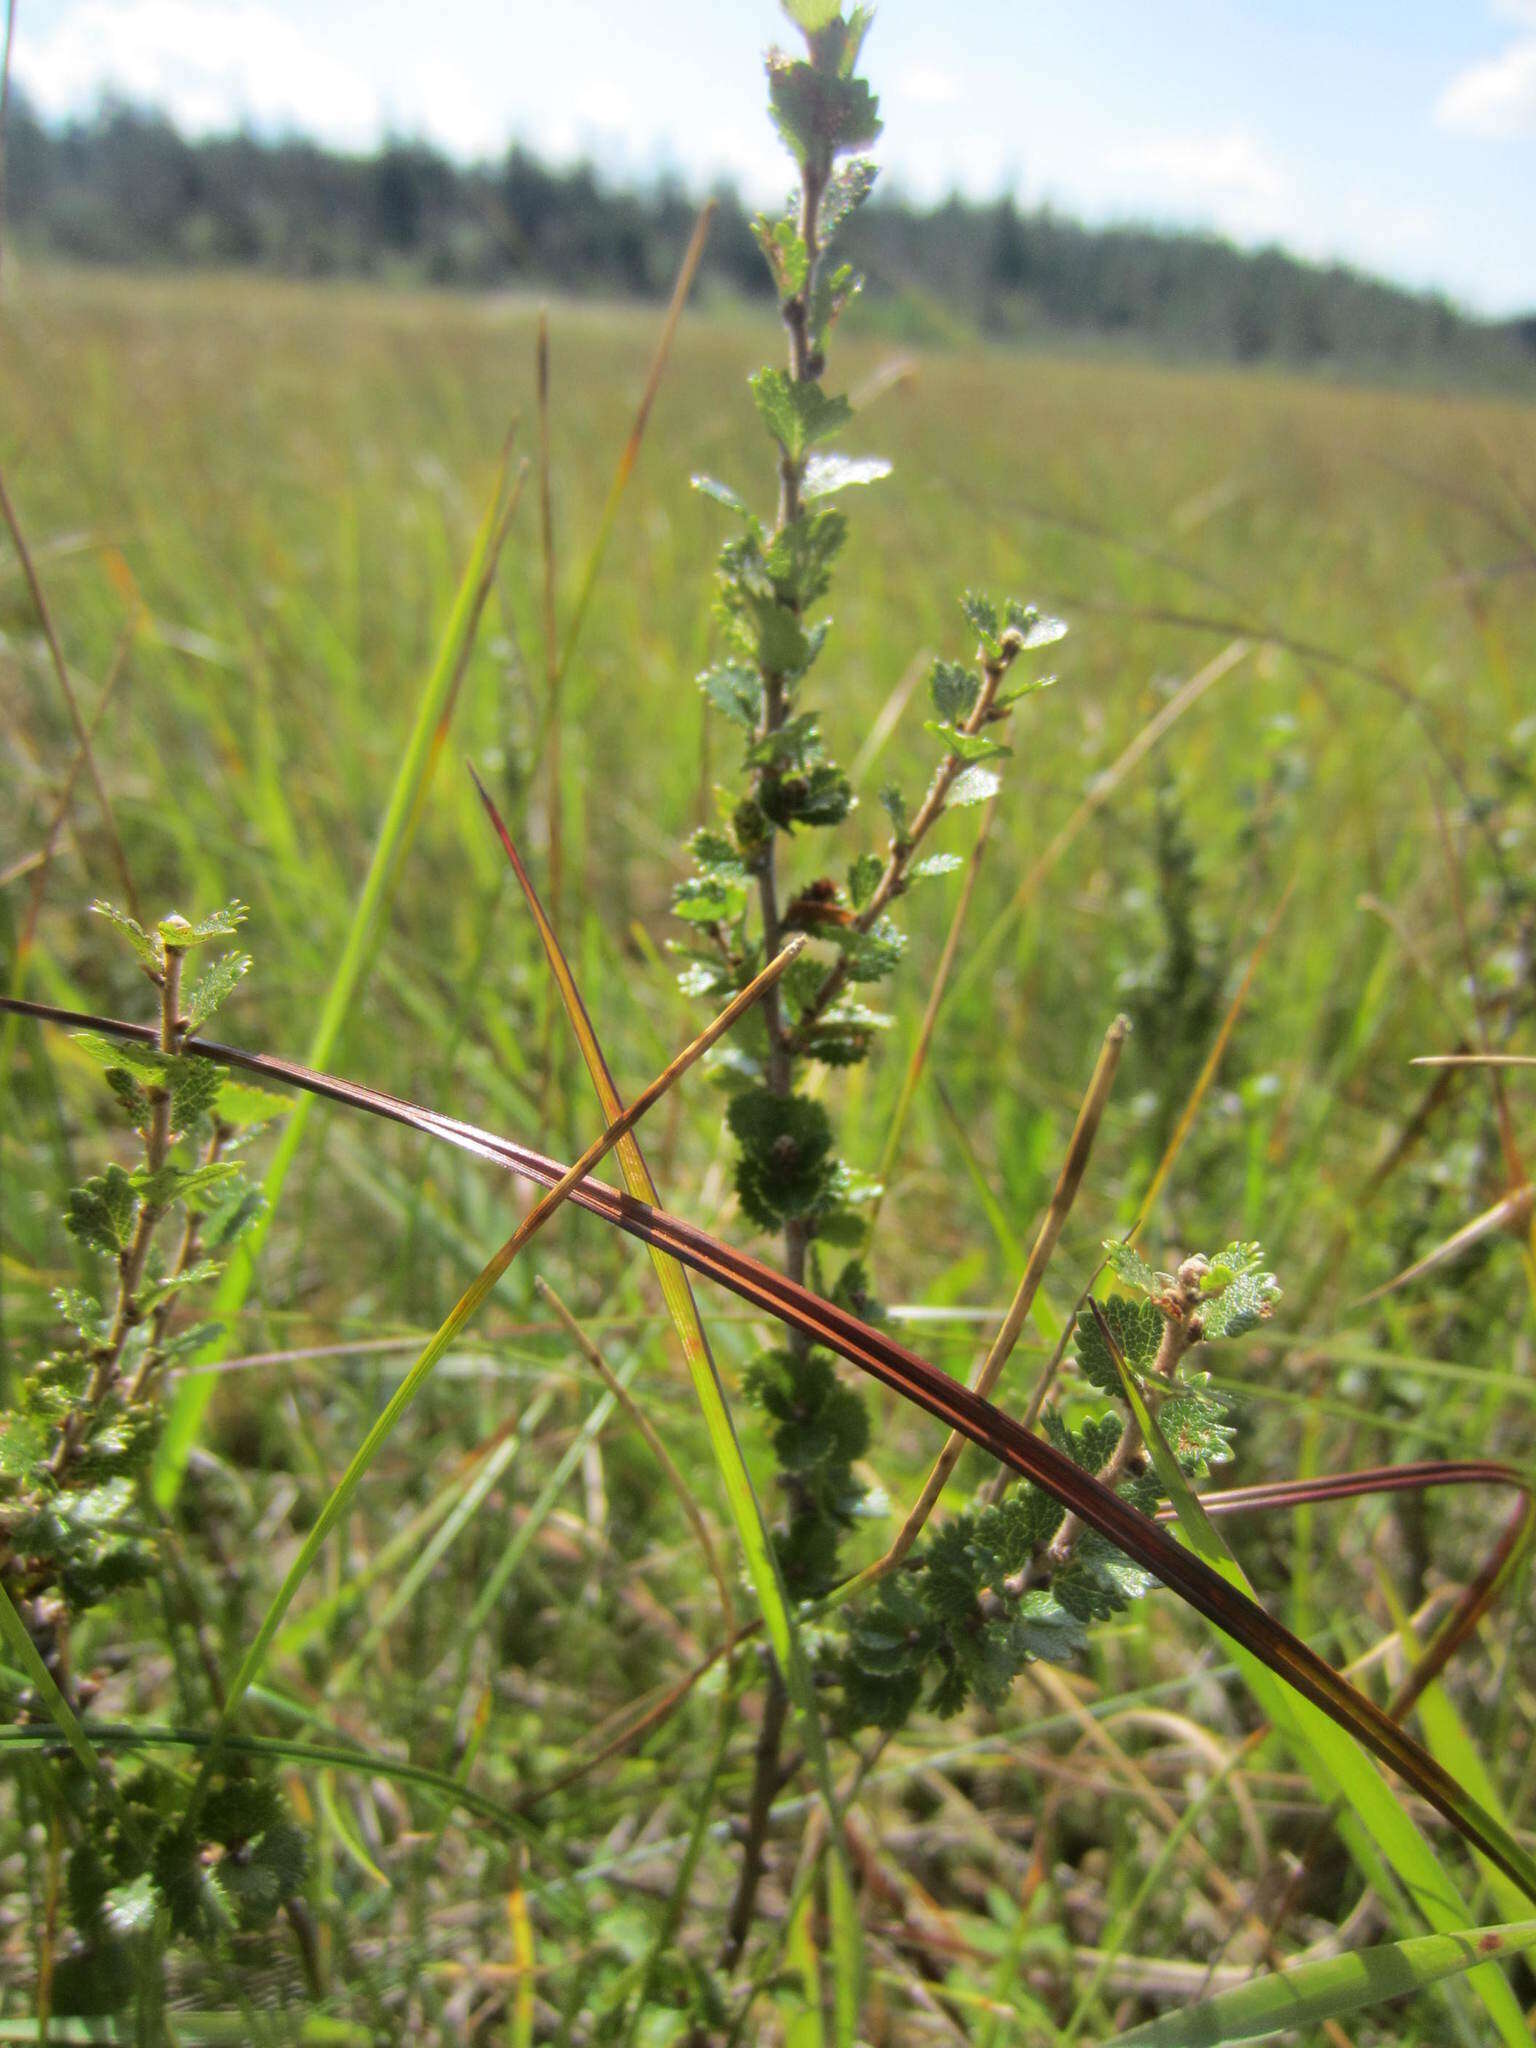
{"points": [[945, 1398]]}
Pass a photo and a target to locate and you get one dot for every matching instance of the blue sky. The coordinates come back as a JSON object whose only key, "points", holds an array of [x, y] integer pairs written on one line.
{"points": [[1399, 137]]}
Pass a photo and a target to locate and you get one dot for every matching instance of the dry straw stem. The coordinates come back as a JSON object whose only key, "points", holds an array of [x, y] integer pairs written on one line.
{"points": [[874, 1351], [1511, 1212], [1063, 1195], [60, 813], [551, 643], [685, 1495], [630, 453], [1474, 1059], [71, 701]]}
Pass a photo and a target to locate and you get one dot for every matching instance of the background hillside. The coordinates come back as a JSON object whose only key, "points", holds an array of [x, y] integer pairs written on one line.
{"points": [[126, 187]]}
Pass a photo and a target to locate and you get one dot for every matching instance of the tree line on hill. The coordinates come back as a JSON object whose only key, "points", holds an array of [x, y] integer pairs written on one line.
{"points": [[125, 187]]}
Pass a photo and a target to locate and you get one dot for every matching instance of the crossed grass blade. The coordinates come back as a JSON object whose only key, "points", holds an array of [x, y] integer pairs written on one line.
{"points": [[746, 1511], [880, 1355], [340, 1495]]}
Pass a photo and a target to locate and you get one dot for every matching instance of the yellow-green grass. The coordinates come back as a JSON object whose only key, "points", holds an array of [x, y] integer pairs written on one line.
{"points": [[290, 477]]}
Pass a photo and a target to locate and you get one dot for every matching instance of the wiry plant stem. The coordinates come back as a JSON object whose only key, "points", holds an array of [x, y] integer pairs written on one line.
{"points": [[805, 366], [130, 1266]]}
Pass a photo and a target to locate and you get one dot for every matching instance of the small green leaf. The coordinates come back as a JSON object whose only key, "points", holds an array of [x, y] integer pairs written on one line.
{"points": [[785, 1167], [847, 189], [101, 1212], [735, 691], [247, 1107], [811, 15], [195, 1088], [818, 113], [864, 878], [1241, 1306], [975, 786], [709, 899], [711, 487], [797, 412], [825, 474], [1127, 1264], [219, 924], [871, 955], [134, 1102], [1137, 1327], [954, 689], [211, 988], [149, 953], [1034, 627], [180, 1183], [966, 746], [933, 865], [147, 1060], [981, 616]]}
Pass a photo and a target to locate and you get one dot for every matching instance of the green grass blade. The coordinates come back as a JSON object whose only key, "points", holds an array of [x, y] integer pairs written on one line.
{"points": [[1337, 1767], [184, 1416], [1313, 1992], [65, 1719], [745, 1509]]}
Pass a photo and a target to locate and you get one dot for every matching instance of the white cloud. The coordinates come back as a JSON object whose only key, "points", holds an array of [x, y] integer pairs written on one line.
{"points": [[212, 69], [927, 85], [208, 68], [1230, 179], [1496, 98]]}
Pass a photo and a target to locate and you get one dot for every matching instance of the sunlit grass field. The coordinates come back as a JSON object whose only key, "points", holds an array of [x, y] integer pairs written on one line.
{"points": [[275, 488]]}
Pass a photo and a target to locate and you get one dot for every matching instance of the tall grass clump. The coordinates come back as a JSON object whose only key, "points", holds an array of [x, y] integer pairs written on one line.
{"points": [[638, 1665]]}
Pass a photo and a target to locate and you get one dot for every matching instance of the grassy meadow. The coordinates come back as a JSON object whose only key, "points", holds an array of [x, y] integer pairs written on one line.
{"points": [[273, 489]]}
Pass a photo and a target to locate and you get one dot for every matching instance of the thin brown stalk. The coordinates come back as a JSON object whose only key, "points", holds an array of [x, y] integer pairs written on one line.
{"points": [[630, 454], [67, 691], [187, 1253], [60, 813], [637, 1415], [554, 817], [1063, 1195]]}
